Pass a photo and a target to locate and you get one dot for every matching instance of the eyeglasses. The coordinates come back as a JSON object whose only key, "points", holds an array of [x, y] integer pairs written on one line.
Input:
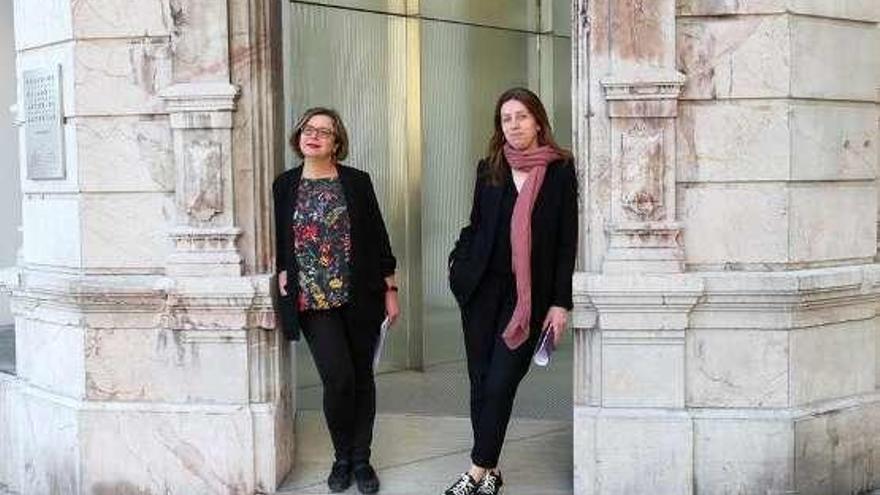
{"points": [[309, 131]]}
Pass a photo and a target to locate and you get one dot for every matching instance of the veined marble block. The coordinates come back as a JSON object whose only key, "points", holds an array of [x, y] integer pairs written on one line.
{"points": [[123, 380], [743, 456], [861, 10], [778, 380], [738, 368], [140, 145], [776, 140], [727, 225], [778, 56]]}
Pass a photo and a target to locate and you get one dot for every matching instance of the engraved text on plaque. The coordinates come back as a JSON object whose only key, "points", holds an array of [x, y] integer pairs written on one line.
{"points": [[44, 130]]}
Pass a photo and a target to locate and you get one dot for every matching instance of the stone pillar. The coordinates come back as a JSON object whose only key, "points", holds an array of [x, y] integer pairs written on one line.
{"points": [[643, 235], [204, 239], [726, 326], [147, 356]]}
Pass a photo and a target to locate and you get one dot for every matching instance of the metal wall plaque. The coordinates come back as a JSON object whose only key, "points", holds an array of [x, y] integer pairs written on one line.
{"points": [[44, 127]]}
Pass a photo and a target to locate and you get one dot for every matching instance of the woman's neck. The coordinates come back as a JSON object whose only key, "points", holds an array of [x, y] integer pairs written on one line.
{"points": [[319, 168]]}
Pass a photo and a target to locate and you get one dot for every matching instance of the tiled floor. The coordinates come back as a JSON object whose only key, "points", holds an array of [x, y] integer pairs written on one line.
{"points": [[419, 455], [423, 435]]}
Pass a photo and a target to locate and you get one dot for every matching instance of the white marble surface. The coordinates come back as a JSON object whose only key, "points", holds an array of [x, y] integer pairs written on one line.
{"points": [[41, 23], [825, 63], [164, 365], [778, 56], [776, 140], [9, 448], [133, 71], [734, 57], [584, 443], [190, 451], [867, 10], [775, 223], [737, 368], [781, 300], [48, 439], [831, 140], [745, 141], [832, 221], [836, 452], [112, 18], [201, 42], [643, 374], [833, 361], [644, 455], [51, 233], [141, 146], [50, 356], [741, 456], [141, 247], [57, 445], [745, 223]]}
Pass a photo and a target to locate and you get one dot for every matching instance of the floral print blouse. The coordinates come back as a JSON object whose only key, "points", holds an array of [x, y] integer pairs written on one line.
{"points": [[322, 244]]}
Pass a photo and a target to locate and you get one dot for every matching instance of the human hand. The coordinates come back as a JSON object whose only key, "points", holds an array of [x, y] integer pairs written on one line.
{"points": [[282, 282], [392, 306], [556, 319]]}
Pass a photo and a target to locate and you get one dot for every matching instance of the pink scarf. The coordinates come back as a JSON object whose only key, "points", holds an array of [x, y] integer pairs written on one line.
{"points": [[535, 163]]}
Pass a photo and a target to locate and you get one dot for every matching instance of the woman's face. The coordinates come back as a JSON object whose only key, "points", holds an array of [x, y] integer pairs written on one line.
{"points": [[318, 137], [519, 125]]}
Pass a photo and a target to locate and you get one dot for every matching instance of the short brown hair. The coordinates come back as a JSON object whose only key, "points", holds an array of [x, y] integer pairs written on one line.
{"points": [[340, 150]]}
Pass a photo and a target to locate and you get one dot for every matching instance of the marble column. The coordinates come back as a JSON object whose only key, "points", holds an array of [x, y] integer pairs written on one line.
{"points": [[726, 321], [147, 356]]}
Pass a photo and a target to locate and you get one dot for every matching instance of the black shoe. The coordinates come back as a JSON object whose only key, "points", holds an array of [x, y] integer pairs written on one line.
{"points": [[465, 485], [491, 484], [366, 478], [340, 477]]}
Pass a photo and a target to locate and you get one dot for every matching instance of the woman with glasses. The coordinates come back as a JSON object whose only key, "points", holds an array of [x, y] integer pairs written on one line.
{"points": [[511, 270], [336, 269]]}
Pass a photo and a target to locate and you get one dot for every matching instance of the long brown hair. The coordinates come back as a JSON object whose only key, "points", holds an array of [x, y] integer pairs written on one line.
{"points": [[497, 163], [340, 135]]}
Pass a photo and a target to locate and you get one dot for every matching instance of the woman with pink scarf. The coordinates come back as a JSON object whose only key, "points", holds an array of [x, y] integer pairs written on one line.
{"points": [[511, 270]]}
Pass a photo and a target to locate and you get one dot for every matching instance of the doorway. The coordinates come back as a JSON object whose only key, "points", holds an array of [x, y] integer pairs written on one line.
{"points": [[416, 83]]}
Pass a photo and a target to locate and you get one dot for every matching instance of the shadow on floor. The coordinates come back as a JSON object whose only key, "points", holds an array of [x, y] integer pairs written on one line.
{"points": [[420, 455], [423, 434], [7, 349]]}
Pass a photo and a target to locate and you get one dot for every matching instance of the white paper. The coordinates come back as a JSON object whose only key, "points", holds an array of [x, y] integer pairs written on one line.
{"points": [[545, 349], [380, 346]]}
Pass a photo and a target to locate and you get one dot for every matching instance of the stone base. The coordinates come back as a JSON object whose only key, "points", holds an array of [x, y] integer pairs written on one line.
{"points": [[130, 385], [644, 248], [824, 450], [728, 383], [58, 446]]}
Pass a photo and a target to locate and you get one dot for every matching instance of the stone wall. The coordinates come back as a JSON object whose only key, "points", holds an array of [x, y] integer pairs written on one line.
{"points": [[147, 356], [10, 191], [727, 334], [777, 138]]}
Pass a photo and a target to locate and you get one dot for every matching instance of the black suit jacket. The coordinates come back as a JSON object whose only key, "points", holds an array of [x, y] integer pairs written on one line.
{"points": [[371, 256], [554, 239]]}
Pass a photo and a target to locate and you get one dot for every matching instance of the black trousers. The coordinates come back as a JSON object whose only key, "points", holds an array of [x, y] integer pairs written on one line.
{"points": [[343, 353], [495, 371]]}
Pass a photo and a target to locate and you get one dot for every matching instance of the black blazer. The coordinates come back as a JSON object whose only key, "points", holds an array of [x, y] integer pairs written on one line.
{"points": [[554, 239], [371, 256]]}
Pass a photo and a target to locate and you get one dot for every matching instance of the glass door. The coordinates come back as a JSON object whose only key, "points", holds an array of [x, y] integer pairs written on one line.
{"points": [[416, 83]]}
